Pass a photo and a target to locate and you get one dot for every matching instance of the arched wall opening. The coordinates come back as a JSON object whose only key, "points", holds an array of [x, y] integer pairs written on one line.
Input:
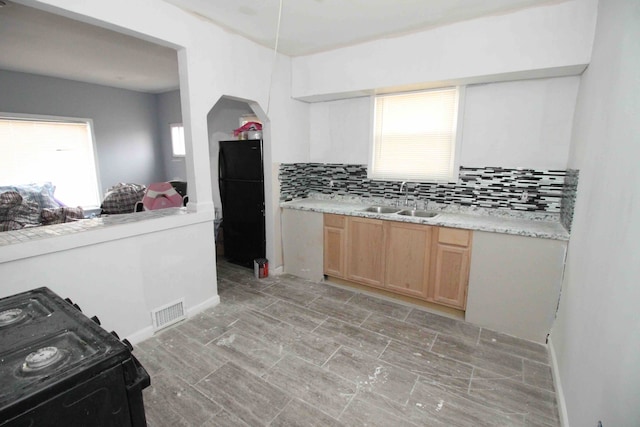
{"points": [[222, 119]]}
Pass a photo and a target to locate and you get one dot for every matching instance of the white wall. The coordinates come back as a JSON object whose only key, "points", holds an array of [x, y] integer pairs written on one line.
{"points": [[340, 131], [519, 124], [288, 124], [596, 338], [122, 280], [286, 140], [510, 124], [544, 41]]}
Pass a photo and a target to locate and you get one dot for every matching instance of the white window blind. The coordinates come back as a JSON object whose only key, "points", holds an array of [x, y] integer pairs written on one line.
{"points": [[177, 140], [415, 136], [36, 151]]}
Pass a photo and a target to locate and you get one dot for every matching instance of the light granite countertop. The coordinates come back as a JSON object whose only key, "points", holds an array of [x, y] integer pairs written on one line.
{"points": [[471, 219]]}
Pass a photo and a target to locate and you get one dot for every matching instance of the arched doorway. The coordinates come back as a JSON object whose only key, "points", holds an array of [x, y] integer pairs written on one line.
{"points": [[222, 119]]}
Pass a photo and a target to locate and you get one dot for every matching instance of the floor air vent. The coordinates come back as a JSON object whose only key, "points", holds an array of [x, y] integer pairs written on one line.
{"points": [[168, 314]]}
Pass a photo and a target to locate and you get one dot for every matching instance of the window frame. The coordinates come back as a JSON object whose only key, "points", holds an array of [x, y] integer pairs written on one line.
{"points": [[66, 119], [457, 139]]}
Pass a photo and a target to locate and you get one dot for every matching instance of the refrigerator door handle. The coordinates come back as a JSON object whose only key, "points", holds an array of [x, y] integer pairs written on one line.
{"points": [[221, 173], [221, 165]]}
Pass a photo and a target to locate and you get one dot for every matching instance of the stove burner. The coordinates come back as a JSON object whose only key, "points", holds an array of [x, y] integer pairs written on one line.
{"points": [[41, 359], [9, 317]]}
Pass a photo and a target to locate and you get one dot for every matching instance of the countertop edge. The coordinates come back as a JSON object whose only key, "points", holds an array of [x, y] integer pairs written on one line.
{"points": [[518, 227]]}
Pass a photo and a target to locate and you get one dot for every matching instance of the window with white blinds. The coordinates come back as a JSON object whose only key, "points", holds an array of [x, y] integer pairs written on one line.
{"points": [[414, 137], [60, 152], [177, 140]]}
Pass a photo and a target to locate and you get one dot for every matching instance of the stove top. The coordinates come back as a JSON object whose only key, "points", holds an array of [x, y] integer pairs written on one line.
{"points": [[45, 342], [18, 312]]}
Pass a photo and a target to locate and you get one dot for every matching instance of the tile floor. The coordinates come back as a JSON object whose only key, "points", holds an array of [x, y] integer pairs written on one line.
{"points": [[283, 351]]}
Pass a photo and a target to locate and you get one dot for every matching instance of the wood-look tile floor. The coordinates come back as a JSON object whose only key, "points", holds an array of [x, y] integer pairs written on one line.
{"points": [[283, 351]]}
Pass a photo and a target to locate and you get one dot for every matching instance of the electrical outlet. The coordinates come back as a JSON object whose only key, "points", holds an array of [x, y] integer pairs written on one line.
{"points": [[331, 184], [524, 197]]}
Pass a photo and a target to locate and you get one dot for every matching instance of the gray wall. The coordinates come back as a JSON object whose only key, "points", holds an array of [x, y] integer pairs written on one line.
{"points": [[125, 122]]}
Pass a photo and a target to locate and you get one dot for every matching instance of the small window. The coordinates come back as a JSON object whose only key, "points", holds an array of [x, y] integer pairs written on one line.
{"points": [[177, 140], [414, 136], [56, 150]]}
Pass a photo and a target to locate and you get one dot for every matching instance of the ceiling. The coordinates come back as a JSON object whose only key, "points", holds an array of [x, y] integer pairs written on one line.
{"points": [[311, 26], [38, 42]]}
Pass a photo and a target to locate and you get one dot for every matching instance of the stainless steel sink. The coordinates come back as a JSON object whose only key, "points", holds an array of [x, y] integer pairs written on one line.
{"points": [[418, 213], [381, 209]]}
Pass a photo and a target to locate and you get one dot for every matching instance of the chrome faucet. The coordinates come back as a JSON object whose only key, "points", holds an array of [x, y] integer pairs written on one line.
{"points": [[404, 187], [401, 190]]}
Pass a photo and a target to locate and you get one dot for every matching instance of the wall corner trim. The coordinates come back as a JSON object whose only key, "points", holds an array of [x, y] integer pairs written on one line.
{"points": [[555, 370]]}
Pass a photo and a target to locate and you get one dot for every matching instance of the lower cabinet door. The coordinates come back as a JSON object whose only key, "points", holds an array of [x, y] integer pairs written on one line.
{"points": [[408, 258], [451, 275], [334, 252], [365, 251]]}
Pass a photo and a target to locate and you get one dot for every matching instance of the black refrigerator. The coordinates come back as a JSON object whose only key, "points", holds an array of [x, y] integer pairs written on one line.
{"points": [[241, 180]]}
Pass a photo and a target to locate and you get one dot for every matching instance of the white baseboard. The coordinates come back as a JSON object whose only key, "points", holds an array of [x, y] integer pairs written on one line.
{"points": [[141, 335], [562, 405], [208, 303], [147, 332]]}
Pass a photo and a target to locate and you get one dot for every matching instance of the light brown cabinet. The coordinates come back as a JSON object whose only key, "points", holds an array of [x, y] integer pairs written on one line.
{"points": [[452, 256], [365, 251], [425, 262], [334, 245], [408, 258]]}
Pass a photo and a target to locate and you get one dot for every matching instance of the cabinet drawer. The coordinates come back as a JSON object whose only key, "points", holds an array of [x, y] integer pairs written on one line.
{"points": [[337, 221], [454, 236]]}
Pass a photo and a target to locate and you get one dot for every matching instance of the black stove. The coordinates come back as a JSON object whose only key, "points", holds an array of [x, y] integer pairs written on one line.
{"points": [[58, 367]]}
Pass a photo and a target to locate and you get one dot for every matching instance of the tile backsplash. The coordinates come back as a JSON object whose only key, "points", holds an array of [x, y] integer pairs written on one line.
{"points": [[528, 190], [569, 193]]}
